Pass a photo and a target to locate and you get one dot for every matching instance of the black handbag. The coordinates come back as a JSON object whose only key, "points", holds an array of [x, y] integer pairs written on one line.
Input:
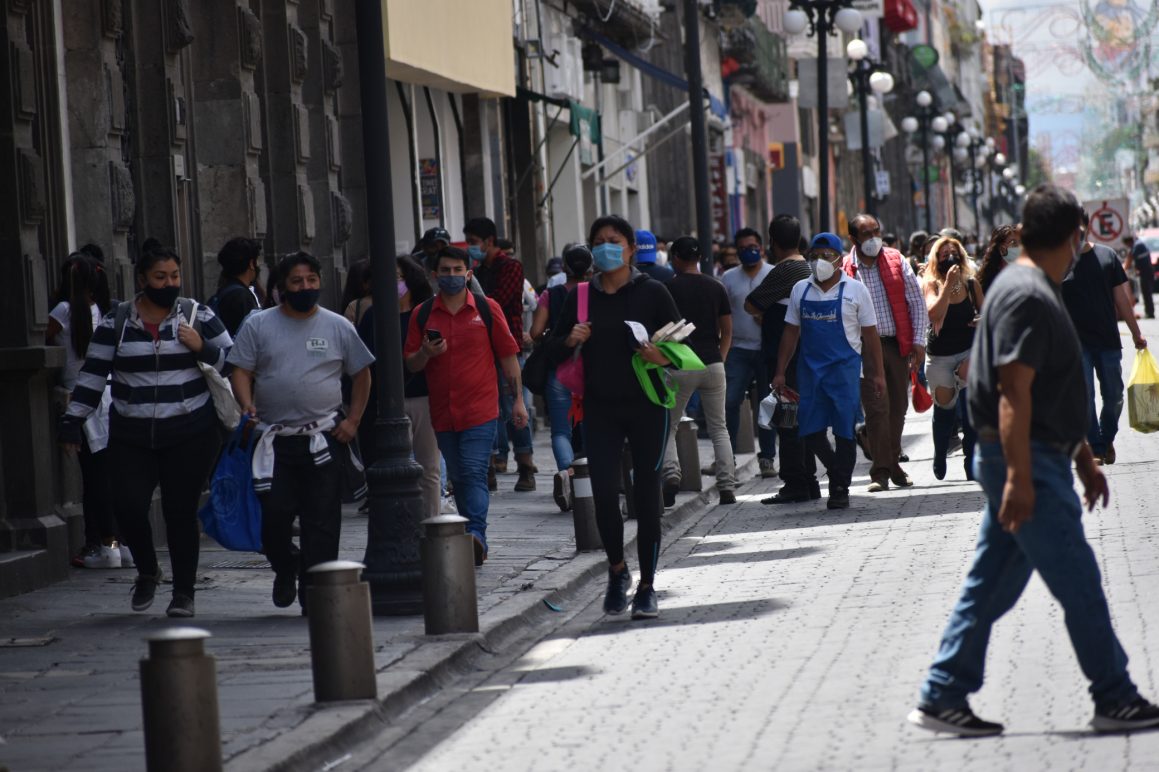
{"points": [[536, 369]]}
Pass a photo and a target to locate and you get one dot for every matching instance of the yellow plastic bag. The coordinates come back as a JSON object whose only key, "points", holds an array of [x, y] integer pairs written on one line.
{"points": [[1143, 393]]}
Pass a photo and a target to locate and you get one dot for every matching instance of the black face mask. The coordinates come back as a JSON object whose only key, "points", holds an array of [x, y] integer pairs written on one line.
{"points": [[302, 300], [944, 266], [164, 297]]}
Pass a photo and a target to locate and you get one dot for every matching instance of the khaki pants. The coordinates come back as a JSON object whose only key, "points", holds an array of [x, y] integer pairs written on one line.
{"points": [[710, 382], [426, 450], [885, 415]]}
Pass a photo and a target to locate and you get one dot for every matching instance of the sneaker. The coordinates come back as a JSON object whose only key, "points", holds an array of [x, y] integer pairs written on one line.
{"points": [[180, 606], [127, 557], [103, 556], [1136, 714], [480, 550], [144, 588], [616, 599], [728, 497], [838, 498], [878, 485], [644, 604], [768, 467], [89, 550], [959, 721], [787, 495], [899, 478], [669, 491], [561, 491], [285, 589], [1109, 457]]}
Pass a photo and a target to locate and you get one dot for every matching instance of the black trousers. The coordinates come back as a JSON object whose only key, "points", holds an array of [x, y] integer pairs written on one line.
{"points": [[1146, 288], [798, 464], [645, 427], [97, 495], [312, 494], [181, 471], [840, 463]]}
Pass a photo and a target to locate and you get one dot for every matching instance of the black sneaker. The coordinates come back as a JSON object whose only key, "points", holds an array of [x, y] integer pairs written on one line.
{"points": [[787, 495], [838, 498], [1136, 714], [959, 721], [285, 589], [616, 599], [644, 604], [670, 489], [144, 588], [728, 497], [180, 606]]}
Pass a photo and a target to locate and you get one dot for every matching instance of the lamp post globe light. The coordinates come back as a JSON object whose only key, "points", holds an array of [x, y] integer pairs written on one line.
{"points": [[865, 76], [820, 17]]}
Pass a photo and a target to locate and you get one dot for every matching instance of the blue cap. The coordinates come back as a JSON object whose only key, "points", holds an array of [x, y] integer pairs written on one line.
{"points": [[827, 241], [645, 247]]}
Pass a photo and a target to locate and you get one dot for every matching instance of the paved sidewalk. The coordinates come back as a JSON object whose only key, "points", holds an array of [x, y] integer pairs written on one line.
{"points": [[69, 684]]}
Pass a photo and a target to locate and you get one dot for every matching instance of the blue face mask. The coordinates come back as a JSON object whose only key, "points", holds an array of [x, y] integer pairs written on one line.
{"points": [[476, 253], [452, 285], [750, 255], [608, 257]]}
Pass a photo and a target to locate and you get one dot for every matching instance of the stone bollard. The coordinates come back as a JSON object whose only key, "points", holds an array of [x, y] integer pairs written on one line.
{"points": [[449, 601], [583, 508], [341, 642], [179, 701], [745, 441], [688, 454]]}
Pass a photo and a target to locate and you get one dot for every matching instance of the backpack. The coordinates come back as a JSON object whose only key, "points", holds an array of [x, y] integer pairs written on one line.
{"points": [[481, 305], [220, 295]]}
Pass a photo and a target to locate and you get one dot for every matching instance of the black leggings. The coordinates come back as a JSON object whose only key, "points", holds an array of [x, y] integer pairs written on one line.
{"points": [[181, 470], [645, 427], [97, 495]]}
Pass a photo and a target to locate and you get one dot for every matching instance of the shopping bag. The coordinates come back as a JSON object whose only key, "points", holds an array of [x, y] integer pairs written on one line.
{"points": [[1143, 393], [233, 515], [921, 396]]}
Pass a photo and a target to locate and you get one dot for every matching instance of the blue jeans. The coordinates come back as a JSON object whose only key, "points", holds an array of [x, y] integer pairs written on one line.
{"points": [[520, 438], [558, 399], [468, 457], [1051, 542], [1107, 363], [740, 369]]}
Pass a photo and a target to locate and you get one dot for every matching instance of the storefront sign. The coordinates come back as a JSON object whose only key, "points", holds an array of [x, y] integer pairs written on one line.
{"points": [[430, 187]]}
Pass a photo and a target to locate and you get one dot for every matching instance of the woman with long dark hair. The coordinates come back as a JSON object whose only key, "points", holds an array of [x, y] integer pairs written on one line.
{"points": [[1004, 247], [356, 295], [84, 286]]}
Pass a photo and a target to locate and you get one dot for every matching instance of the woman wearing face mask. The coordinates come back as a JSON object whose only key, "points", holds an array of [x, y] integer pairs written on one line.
{"points": [[1004, 247], [615, 407], [955, 301], [163, 429]]}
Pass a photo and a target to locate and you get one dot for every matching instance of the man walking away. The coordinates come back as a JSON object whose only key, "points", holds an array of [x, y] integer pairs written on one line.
{"points": [[703, 301], [745, 363], [832, 317], [903, 324], [646, 257], [1095, 290], [768, 303], [1141, 260], [288, 363], [1026, 397], [456, 339]]}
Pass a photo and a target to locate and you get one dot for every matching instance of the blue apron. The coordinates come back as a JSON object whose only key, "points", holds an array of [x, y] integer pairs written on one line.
{"points": [[829, 369]]}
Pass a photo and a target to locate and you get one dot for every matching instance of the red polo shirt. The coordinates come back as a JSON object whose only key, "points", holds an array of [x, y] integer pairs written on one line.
{"points": [[463, 383]]}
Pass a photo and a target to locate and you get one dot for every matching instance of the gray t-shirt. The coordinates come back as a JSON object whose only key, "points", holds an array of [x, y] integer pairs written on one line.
{"points": [[1024, 320], [298, 363], [746, 333]]}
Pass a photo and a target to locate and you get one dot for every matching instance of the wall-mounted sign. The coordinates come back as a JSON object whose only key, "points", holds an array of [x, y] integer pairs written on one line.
{"points": [[430, 188]]}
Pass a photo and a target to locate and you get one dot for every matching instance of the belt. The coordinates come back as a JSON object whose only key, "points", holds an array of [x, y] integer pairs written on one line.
{"points": [[1068, 449]]}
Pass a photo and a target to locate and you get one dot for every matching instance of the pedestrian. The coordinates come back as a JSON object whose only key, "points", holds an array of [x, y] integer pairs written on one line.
{"points": [[238, 294], [615, 406], [1095, 291], [955, 301], [725, 258], [1004, 247], [1027, 400], [703, 301], [556, 272], [577, 260], [456, 338], [84, 285], [832, 316], [902, 324], [890, 240], [357, 295], [288, 364], [745, 364], [163, 429], [769, 303], [501, 278], [916, 252], [429, 245], [646, 257], [1140, 258]]}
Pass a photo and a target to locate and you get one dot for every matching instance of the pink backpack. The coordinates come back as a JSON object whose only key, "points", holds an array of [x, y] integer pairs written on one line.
{"points": [[571, 373]]}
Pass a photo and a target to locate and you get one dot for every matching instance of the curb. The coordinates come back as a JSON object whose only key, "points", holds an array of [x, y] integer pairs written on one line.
{"points": [[328, 730]]}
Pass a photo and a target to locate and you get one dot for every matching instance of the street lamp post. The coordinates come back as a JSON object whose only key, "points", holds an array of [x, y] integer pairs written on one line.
{"points": [[866, 76], [699, 131], [820, 17], [926, 121], [393, 566]]}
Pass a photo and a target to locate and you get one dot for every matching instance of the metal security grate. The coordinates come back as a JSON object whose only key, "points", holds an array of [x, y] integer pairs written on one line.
{"points": [[258, 564]]}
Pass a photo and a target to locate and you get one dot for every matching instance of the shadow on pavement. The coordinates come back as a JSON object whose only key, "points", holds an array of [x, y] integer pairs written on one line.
{"points": [[709, 613], [716, 558]]}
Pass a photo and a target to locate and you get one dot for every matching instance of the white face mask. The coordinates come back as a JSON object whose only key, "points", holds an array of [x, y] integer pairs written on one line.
{"points": [[823, 270], [1013, 253], [871, 247]]}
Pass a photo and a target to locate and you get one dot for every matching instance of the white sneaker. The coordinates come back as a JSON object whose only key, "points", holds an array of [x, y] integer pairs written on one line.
{"points": [[104, 557], [447, 506], [127, 557]]}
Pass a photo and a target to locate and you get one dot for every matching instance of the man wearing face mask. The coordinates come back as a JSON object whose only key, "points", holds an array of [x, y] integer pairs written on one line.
{"points": [[745, 362], [237, 295], [288, 364], [903, 324], [646, 257], [832, 316]]}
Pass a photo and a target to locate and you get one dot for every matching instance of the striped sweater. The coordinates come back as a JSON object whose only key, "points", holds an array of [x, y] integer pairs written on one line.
{"points": [[160, 397]]}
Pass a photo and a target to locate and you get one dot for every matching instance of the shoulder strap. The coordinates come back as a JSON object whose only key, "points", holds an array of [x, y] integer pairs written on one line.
{"points": [[187, 307], [582, 290], [124, 308], [424, 313], [970, 294], [484, 309]]}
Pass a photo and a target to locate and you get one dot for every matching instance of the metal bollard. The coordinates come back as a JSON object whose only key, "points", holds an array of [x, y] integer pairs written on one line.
{"points": [[179, 701], [341, 642], [449, 601], [745, 441], [688, 454], [583, 508]]}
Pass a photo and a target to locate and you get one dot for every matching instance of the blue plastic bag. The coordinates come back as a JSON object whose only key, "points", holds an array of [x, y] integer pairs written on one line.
{"points": [[233, 515]]}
